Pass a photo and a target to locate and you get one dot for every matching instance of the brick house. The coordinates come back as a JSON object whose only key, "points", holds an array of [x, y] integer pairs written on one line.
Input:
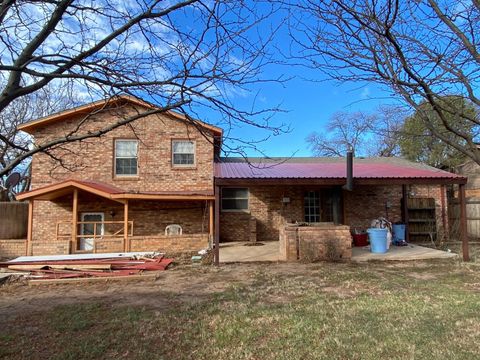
{"points": [[159, 183]]}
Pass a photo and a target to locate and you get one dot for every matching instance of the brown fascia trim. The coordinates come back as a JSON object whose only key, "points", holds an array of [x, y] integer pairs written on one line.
{"points": [[119, 197], [85, 109], [336, 181]]}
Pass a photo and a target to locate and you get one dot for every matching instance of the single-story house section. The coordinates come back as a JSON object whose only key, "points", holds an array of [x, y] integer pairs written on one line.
{"points": [[259, 197]]}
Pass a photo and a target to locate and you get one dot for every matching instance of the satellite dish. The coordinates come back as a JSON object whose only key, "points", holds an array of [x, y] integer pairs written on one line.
{"points": [[12, 180]]}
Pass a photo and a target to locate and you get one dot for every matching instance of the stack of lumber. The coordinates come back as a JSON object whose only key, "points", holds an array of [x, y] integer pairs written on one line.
{"points": [[87, 265]]}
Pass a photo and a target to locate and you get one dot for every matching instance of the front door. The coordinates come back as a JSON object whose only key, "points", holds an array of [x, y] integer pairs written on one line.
{"points": [[88, 229]]}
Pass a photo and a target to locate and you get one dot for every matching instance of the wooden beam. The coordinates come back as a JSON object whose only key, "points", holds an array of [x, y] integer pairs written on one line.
{"points": [[344, 208], [443, 190], [463, 222], [405, 210], [126, 245], [217, 226], [211, 222], [338, 181], [74, 220], [28, 249]]}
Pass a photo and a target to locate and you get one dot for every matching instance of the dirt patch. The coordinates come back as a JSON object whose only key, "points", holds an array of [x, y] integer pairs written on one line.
{"points": [[171, 287]]}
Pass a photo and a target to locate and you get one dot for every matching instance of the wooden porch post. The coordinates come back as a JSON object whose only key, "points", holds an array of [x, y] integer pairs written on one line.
{"points": [[74, 221], [126, 245], [211, 222], [405, 211], [217, 226], [463, 222], [444, 213], [28, 247]]}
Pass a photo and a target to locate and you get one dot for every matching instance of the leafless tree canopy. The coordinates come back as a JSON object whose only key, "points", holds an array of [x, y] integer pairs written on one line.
{"points": [[192, 56], [419, 50], [368, 134]]}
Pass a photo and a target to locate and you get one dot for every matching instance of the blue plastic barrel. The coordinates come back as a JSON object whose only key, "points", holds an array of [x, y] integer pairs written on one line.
{"points": [[398, 232], [378, 240]]}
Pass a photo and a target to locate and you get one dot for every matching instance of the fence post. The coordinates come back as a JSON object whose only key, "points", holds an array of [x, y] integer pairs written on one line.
{"points": [[28, 250], [463, 222]]}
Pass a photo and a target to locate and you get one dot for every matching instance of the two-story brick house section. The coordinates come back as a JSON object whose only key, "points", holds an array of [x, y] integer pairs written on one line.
{"points": [[159, 184], [126, 190]]}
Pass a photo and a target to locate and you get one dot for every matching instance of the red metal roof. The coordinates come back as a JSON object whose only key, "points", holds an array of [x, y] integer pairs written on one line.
{"points": [[326, 168]]}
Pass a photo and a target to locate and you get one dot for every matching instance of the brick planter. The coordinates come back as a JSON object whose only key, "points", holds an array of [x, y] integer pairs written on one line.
{"points": [[318, 242]]}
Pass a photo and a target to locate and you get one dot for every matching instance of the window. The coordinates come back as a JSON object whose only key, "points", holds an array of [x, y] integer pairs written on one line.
{"points": [[183, 153], [235, 199], [126, 157], [312, 206], [323, 206]]}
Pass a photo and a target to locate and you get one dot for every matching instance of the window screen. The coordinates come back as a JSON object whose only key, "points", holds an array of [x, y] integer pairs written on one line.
{"points": [[126, 157], [234, 199], [183, 153]]}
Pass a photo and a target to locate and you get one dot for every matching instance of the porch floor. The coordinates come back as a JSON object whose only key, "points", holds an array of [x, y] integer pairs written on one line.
{"points": [[238, 252], [410, 252]]}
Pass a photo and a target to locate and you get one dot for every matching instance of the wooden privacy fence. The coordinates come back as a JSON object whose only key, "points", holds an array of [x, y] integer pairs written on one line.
{"points": [[473, 217], [13, 219]]}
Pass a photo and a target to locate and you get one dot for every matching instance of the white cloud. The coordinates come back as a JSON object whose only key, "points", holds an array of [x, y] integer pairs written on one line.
{"points": [[365, 93]]}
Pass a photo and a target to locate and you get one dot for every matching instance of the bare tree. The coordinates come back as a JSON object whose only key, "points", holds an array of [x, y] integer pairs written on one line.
{"points": [[192, 56], [418, 50], [35, 105], [369, 134]]}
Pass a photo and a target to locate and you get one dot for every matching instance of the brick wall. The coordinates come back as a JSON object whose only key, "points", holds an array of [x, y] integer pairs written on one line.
{"points": [[265, 205], [361, 206], [11, 248], [93, 158], [311, 243], [366, 203], [192, 242]]}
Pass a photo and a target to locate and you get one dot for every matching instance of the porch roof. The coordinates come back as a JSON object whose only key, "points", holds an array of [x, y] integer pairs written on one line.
{"points": [[108, 191], [322, 170]]}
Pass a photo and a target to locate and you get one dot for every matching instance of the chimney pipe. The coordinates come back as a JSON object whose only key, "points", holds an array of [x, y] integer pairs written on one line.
{"points": [[349, 185]]}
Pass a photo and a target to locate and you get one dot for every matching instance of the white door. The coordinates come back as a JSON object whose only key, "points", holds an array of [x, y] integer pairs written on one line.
{"points": [[87, 242]]}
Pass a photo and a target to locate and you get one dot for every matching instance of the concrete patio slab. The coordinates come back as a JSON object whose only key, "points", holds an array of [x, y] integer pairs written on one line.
{"points": [[400, 253], [238, 252]]}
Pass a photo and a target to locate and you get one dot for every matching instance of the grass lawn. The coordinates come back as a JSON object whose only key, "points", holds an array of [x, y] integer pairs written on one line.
{"points": [[413, 310]]}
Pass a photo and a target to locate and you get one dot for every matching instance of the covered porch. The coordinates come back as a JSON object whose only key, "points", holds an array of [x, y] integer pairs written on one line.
{"points": [[311, 192], [91, 217]]}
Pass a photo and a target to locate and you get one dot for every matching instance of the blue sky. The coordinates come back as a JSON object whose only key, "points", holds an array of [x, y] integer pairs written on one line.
{"points": [[308, 105]]}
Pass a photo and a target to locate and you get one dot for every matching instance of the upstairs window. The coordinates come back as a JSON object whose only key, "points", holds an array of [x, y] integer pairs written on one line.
{"points": [[126, 157], [183, 153], [235, 199]]}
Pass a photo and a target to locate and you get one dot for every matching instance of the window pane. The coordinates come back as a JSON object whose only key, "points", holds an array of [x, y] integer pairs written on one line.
{"points": [[232, 193], [126, 166], [235, 204], [312, 206], [183, 147], [126, 148], [183, 159]]}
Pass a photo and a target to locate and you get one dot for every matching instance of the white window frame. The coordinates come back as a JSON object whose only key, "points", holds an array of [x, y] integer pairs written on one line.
{"points": [[115, 157], [233, 198], [315, 211], [194, 154], [84, 239]]}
